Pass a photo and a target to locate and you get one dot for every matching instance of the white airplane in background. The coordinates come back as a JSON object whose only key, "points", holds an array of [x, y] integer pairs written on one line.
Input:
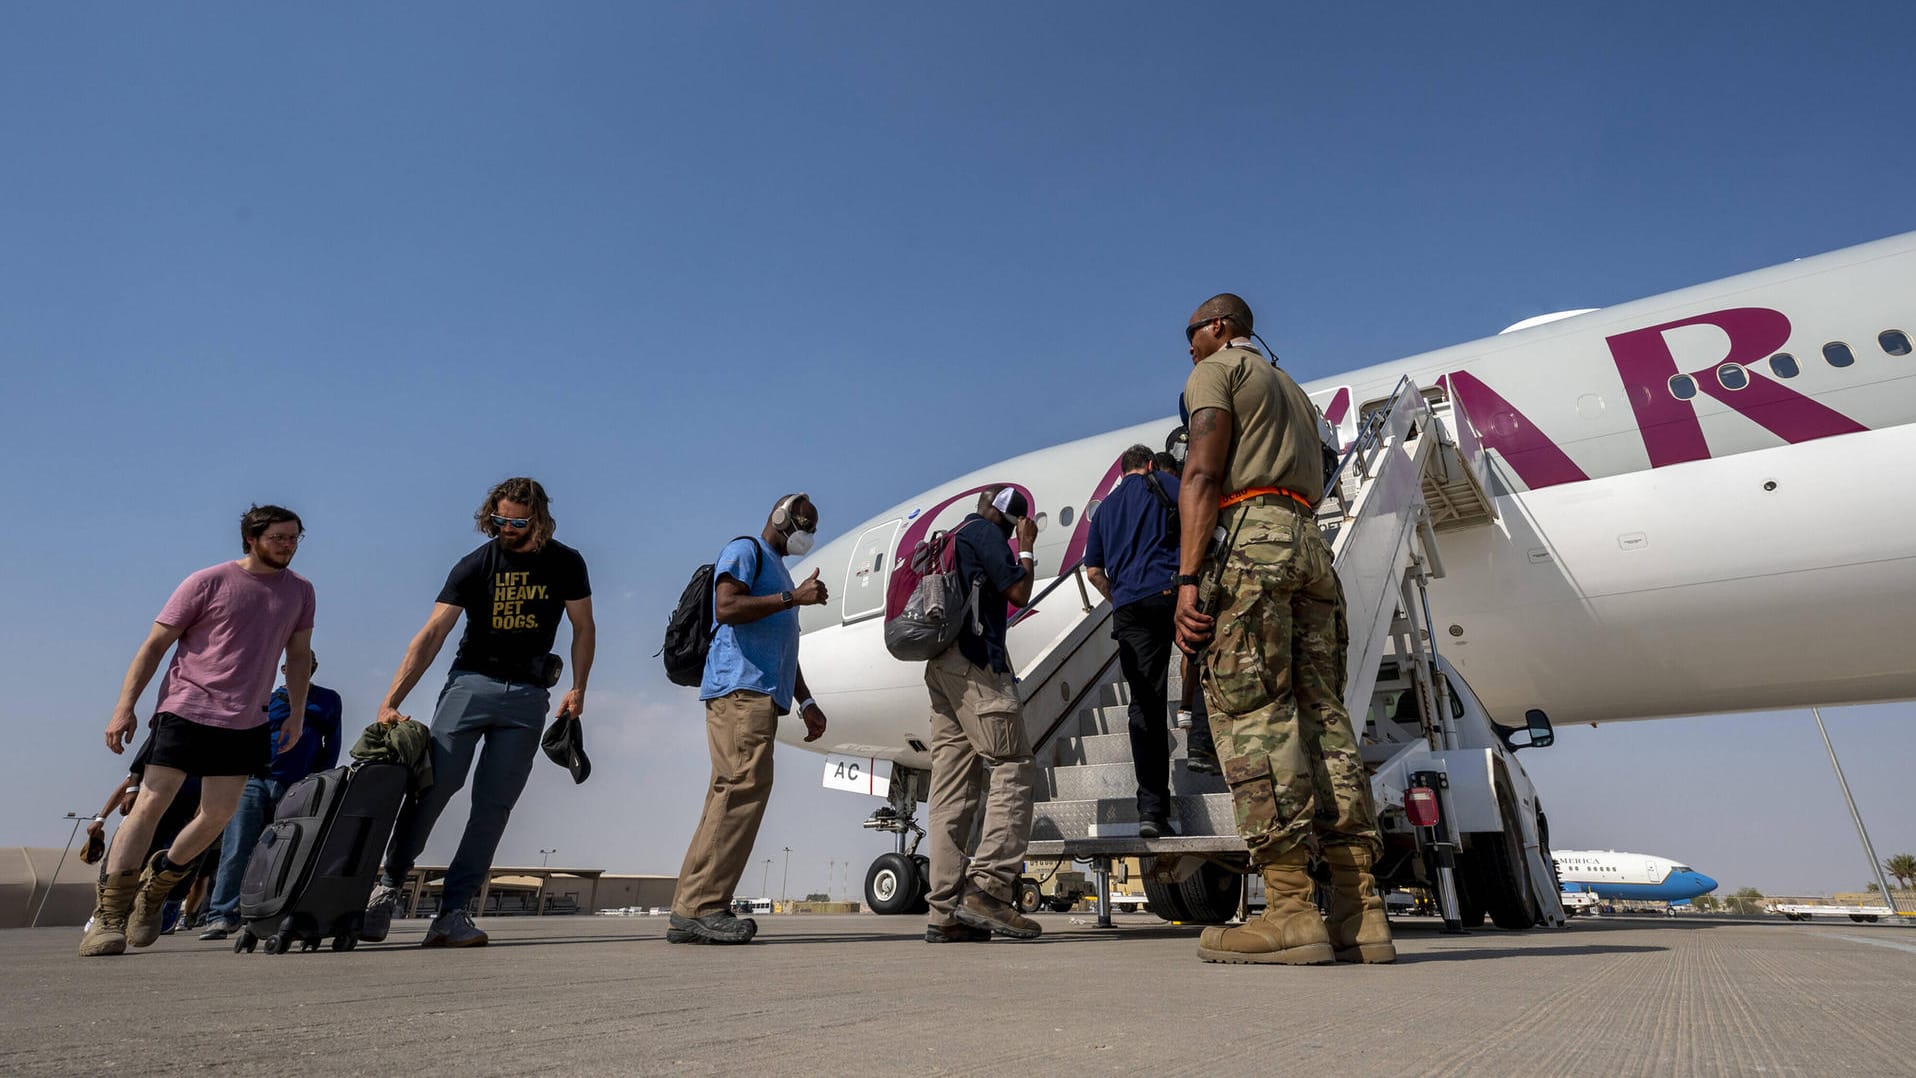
{"points": [[1700, 504], [1629, 876]]}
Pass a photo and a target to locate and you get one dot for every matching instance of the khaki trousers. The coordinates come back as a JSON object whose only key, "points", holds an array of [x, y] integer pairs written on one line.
{"points": [[976, 722], [739, 728]]}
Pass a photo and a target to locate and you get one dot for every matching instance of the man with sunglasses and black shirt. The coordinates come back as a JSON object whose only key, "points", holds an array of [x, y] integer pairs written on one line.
{"points": [[512, 591]]}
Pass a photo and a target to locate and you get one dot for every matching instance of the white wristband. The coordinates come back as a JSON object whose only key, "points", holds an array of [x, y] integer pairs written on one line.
{"points": [[805, 703], [1026, 555]]}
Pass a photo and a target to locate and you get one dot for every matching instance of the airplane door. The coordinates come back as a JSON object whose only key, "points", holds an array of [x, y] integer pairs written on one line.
{"points": [[869, 568]]}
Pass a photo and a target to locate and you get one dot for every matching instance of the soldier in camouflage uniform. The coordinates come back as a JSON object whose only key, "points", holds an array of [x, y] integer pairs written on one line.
{"points": [[1274, 658]]}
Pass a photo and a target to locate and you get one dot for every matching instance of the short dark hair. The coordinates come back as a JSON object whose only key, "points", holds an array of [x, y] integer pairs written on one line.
{"points": [[1169, 463], [255, 521], [526, 492], [1135, 457], [1226, 305]]}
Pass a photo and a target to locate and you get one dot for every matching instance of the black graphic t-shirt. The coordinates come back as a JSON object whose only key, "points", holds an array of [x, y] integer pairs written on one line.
{"points": [[513, 603]]}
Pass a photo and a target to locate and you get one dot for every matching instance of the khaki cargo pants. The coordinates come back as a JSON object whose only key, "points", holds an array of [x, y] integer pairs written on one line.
{"points": [[976, 721], [1274, 683], [739, 728]]}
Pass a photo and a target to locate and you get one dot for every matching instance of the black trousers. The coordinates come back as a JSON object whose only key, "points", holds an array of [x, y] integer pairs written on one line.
{"points": [[1146, 631]]}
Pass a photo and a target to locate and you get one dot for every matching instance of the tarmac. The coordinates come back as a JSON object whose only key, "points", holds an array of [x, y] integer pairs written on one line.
{"points": [[859, 994]]}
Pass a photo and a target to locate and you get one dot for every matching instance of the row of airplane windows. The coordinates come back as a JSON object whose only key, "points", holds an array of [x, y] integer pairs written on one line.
{"points": [[1734, 376]]}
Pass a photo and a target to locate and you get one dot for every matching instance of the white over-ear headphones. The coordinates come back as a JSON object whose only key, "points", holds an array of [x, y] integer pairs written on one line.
{"points": [[781, 515]]}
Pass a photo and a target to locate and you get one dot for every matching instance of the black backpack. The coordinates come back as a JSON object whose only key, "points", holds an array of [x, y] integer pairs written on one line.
{"points": [[689, 631]]}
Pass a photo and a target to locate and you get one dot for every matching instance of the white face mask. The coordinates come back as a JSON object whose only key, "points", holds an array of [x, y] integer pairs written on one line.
{"points": [[799, 544]]}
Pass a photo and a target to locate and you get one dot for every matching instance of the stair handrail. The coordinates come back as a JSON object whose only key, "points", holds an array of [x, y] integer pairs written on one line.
{"points": [[1074, 572], [1369, 433]]}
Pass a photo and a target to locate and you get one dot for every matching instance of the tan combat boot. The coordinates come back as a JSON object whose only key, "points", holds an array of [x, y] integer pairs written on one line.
{"points": [[149, 903], [1289, 932], [1359, 930], [107, 933]]}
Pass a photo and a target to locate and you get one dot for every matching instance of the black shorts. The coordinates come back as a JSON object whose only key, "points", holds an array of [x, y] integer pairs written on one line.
{"points": [[211, 751]]}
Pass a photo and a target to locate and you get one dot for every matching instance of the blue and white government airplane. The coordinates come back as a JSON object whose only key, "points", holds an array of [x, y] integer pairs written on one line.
{"points": [[1629, 876]]}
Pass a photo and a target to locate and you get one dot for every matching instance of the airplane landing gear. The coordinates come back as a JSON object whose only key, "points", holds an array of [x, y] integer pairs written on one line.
{"points": [[897, 882]]}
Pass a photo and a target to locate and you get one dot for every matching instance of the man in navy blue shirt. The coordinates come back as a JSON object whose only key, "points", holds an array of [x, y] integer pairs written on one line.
{"points": [[1131, 556], [980, 753], [316, 750]]}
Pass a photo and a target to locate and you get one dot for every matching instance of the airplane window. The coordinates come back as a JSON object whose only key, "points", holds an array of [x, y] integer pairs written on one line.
{"points": [[1682, 387], [1064, 517], [1784, 365], [1091, 509], [1894, 341], [1732, 376], [1838, 354]]}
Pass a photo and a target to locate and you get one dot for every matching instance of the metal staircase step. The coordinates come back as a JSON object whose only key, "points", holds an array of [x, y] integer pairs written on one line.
{"points": [[1086, 782], [1197, 814], [1108, 749]]}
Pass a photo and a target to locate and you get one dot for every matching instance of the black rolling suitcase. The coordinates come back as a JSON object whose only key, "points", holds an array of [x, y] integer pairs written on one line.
{"points": [[313, 868]]}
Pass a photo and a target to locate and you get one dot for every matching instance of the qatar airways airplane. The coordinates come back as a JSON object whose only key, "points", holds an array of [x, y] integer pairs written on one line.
{"points": [[1697, 510]]}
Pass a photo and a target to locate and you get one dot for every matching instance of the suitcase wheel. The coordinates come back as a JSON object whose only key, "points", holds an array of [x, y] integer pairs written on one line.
{"points": [[245, 942], [308, 945], [345, 943], [278, 944]]}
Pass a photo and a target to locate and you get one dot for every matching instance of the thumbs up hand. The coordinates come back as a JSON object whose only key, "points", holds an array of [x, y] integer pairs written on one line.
{"points": [[811, 592]]}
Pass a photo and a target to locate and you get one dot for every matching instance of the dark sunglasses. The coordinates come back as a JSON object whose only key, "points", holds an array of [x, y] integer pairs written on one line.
{"points": [[514, 522], [1190, 331]]}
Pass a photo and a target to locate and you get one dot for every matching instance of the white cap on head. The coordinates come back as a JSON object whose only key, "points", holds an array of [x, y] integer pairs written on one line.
{"points": [[1011, 503]]}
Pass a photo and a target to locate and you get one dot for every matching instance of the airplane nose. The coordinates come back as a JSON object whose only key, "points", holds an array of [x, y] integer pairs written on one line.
{"points": [[1706, 883]]}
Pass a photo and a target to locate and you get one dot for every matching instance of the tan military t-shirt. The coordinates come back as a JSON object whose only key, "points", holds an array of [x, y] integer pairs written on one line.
{"points": [[1274, 423]]}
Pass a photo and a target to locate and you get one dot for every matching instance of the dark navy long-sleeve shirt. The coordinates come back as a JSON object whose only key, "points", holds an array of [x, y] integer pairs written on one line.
{"points": [[318, 745]]}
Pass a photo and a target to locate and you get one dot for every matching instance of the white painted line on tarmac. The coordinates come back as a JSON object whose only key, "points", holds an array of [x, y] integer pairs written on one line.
{"points": [[1910, 947]]}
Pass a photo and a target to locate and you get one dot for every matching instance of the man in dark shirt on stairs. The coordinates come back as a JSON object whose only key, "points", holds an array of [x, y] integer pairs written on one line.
{"points": [[512, 591]]}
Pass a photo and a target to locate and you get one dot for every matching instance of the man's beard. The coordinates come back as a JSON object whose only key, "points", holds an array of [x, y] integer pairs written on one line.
{"points": [[271, 561]]}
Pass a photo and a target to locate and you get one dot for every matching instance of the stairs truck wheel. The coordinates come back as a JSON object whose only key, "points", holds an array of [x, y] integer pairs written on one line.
{"points": [[1060, 905], [892, 884], [1030, 899], [1501, 871], [923, 864], [1211, 894], [1166, 900]]}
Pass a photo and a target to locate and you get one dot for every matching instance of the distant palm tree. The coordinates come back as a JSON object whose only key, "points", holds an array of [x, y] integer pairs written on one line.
{"points": [[1903, 867]]}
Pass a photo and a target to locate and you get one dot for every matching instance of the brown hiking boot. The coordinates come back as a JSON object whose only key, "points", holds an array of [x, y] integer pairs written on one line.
{"points": [[1359, 930], [149, 903], [1000, 918], [107, 933], [1288, 933]]}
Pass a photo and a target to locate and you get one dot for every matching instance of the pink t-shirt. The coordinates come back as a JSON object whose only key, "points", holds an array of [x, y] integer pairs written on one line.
{"points": [[237, 624]]}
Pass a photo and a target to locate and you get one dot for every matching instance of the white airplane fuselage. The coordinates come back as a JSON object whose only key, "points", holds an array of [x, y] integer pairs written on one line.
{"points": [[1696, 495], [1614, 875]]}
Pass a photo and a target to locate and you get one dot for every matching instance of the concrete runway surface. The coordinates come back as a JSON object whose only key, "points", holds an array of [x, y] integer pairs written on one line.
{"points": [[864, 995]]}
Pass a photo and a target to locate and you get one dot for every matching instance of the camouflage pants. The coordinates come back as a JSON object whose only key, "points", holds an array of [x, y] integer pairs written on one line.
{"points": [[1274, 682]]}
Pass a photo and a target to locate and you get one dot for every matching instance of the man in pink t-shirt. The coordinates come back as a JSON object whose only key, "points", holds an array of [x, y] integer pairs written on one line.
{"points": [[232, 622]]}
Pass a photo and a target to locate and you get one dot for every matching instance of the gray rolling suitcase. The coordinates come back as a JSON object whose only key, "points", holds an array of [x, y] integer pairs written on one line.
{"points": [[313, 868]]}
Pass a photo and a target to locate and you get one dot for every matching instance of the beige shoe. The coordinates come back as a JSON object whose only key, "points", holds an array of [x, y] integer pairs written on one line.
{"points": [[1359, 930], [1288, 933], [149, 903], [107, 933]]}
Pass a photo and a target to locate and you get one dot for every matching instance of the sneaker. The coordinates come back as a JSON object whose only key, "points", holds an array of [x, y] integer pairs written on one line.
{"points": [[1202, 764], [1183, 721], [956, 932], [1155, 827], [454, 928], [220, 927], [980, 910], [723, 927], [379, 914]]}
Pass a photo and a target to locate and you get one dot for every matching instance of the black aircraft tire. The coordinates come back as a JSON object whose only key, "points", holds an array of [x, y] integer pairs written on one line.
{"points": [[1166, 900], [1501, 871], [892, 885], [1211, 894]]}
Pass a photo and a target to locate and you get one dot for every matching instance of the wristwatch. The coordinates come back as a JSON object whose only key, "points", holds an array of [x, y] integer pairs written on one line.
{"points": [[787, 598], [1190, 579]]}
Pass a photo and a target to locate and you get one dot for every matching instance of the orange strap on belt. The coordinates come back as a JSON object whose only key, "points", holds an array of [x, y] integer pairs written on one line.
{"points": [[1258, 492]]}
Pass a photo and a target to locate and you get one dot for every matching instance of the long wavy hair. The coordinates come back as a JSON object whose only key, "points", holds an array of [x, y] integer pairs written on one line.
{"points": [[526, 492]]}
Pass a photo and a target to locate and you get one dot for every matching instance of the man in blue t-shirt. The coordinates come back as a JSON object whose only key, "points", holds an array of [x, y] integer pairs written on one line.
{"points": [[1131, 556], [751, 678], [316, 750], [981, 758]]}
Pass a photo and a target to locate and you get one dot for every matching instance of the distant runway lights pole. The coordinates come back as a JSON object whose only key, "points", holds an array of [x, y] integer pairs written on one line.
{"points": [[765, 878], [62, 863], [785, 880], [1889, 897]]}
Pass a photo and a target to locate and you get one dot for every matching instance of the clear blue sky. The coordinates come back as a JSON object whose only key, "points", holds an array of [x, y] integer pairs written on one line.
{"points": [[676, 261]]}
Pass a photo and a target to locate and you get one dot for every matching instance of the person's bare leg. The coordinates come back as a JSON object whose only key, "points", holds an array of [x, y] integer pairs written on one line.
{"points": [[219, 798], [158, 787]]}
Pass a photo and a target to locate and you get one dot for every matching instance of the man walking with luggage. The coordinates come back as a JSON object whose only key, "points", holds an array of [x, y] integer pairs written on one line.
{"points": [[1131, 557], [751, 678], [977, 723], [512, 591], [1267, 610], [231, 622], [316, 750]]}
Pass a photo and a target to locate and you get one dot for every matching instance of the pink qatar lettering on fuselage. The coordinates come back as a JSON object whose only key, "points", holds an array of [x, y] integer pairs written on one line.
{"points": [[1672, 433], [1334, 414], [921, 527], [1536, 460]]}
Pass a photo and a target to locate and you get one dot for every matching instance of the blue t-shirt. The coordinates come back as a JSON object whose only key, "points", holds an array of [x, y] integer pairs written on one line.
{"points": [[1132, 541], [761, 656], [984, 554], [318, 745]]}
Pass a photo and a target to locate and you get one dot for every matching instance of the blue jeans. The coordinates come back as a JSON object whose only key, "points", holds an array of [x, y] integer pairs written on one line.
{"points": [[508, 716], [255, 811]]}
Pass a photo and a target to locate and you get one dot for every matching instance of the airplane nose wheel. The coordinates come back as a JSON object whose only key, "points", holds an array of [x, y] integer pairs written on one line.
{"points": [[896, 883]]}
